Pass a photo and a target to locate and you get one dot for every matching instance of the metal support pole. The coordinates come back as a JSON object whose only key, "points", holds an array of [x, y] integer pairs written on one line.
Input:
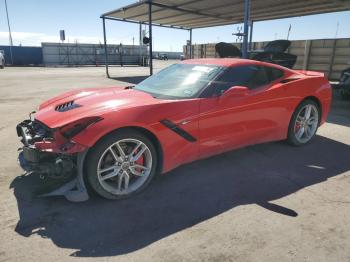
{"points": [[246, 28], [251, 35], [121, 54], [10, 35], [105, 45], [150, 37], [140, 45], [191, 51]]}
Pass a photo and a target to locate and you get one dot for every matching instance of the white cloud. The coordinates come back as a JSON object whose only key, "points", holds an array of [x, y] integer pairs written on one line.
{"points": [[35, 39]]}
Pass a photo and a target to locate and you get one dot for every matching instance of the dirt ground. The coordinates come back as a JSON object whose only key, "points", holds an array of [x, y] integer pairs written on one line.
{"points": [[269, 202]]}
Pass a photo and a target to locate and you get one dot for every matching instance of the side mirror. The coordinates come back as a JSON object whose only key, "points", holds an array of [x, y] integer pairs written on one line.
{"points": [[236, 91]]}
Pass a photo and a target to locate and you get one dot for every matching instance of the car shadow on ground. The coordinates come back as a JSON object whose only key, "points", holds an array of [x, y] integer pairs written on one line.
{"points": [[180, 199]]}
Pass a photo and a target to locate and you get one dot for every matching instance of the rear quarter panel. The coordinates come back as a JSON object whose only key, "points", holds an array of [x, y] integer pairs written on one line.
{"points": [[310, 86]]}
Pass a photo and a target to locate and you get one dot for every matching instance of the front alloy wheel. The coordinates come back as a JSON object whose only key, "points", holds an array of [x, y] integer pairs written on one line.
{"points": [[121, 165]]}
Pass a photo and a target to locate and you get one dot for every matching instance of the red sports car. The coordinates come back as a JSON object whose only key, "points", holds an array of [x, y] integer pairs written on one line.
{"points": [[117, 139]]}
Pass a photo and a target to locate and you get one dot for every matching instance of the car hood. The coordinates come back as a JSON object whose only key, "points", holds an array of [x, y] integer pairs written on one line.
{"points": [[78, 104]]}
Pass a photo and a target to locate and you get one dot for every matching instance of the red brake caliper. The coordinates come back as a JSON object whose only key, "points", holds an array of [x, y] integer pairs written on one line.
{"points": [[140, 161]]}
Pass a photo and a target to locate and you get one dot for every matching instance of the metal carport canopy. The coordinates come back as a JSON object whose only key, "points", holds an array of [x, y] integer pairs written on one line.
{"points": [[193, 14]]}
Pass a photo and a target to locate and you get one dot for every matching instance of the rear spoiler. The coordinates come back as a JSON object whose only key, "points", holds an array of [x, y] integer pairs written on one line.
{"points": [[309, 73]]}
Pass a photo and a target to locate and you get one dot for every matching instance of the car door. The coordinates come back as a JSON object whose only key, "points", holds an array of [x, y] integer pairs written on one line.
{"points": [[228, 122]]}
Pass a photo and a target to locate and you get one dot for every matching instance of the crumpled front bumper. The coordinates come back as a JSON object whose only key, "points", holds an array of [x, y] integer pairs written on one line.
{"points": [[46, 163], [51, 162]]}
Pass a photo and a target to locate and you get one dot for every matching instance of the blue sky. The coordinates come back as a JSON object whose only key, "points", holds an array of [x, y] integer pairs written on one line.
{"points": [[33, 21]]}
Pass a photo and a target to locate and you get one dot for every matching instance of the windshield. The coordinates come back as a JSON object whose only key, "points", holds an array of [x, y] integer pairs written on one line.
{"points": [[179, 81]]}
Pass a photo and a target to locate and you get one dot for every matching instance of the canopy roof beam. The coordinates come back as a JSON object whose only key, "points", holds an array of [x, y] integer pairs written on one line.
{"points": [[195, 14], [144, 23], [191, 14]]}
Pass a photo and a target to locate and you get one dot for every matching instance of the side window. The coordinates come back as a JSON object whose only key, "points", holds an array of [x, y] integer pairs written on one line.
{"points": [[258, 77], [249, 75], [234, 76], [274, 73]]}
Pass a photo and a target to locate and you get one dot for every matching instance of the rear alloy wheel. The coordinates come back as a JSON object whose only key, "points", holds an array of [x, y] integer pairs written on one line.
{"points": [[304, 123], [121, 165]]}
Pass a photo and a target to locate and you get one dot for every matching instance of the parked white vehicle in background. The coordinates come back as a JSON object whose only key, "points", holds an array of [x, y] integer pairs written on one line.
{"points": [[2, 59]]}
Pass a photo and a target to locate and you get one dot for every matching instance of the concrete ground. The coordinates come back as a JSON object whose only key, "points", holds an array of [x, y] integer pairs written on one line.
{"points": [[269, 202]]}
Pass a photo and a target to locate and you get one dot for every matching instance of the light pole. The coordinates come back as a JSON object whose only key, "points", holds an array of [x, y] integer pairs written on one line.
{"points": [[10, 36]]}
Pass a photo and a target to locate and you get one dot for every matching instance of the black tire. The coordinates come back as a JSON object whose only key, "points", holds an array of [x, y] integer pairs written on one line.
{"points": [[292, 139], [344, 95], [96, 152]]}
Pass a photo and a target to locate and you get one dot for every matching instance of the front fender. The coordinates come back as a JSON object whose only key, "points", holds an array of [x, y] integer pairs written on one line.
{"points": [[175, 149], [91, 135]]}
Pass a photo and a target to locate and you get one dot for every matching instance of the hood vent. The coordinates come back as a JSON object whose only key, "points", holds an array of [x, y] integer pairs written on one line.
{"points": [[66, 106]]}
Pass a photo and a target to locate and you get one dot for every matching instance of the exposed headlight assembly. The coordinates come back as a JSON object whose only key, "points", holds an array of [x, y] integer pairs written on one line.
{"points": [[72, 129]]}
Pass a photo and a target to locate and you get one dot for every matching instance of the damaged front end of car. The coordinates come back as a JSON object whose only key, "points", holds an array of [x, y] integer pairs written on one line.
{"points": [[52, 153]]}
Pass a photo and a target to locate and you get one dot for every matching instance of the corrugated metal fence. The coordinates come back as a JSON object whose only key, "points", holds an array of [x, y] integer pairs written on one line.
{"points": [[330, 56], [91, 54], [23, 55]]}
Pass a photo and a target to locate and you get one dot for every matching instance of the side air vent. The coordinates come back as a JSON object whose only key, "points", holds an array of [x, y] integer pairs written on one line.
{"points": [[66, 106]]}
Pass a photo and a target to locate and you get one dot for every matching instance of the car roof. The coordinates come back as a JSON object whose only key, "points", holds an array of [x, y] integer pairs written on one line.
{"points": [[229, 62]]}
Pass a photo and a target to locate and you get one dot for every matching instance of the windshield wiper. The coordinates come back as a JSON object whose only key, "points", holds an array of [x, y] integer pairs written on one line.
{"points": [[129, 87]]}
